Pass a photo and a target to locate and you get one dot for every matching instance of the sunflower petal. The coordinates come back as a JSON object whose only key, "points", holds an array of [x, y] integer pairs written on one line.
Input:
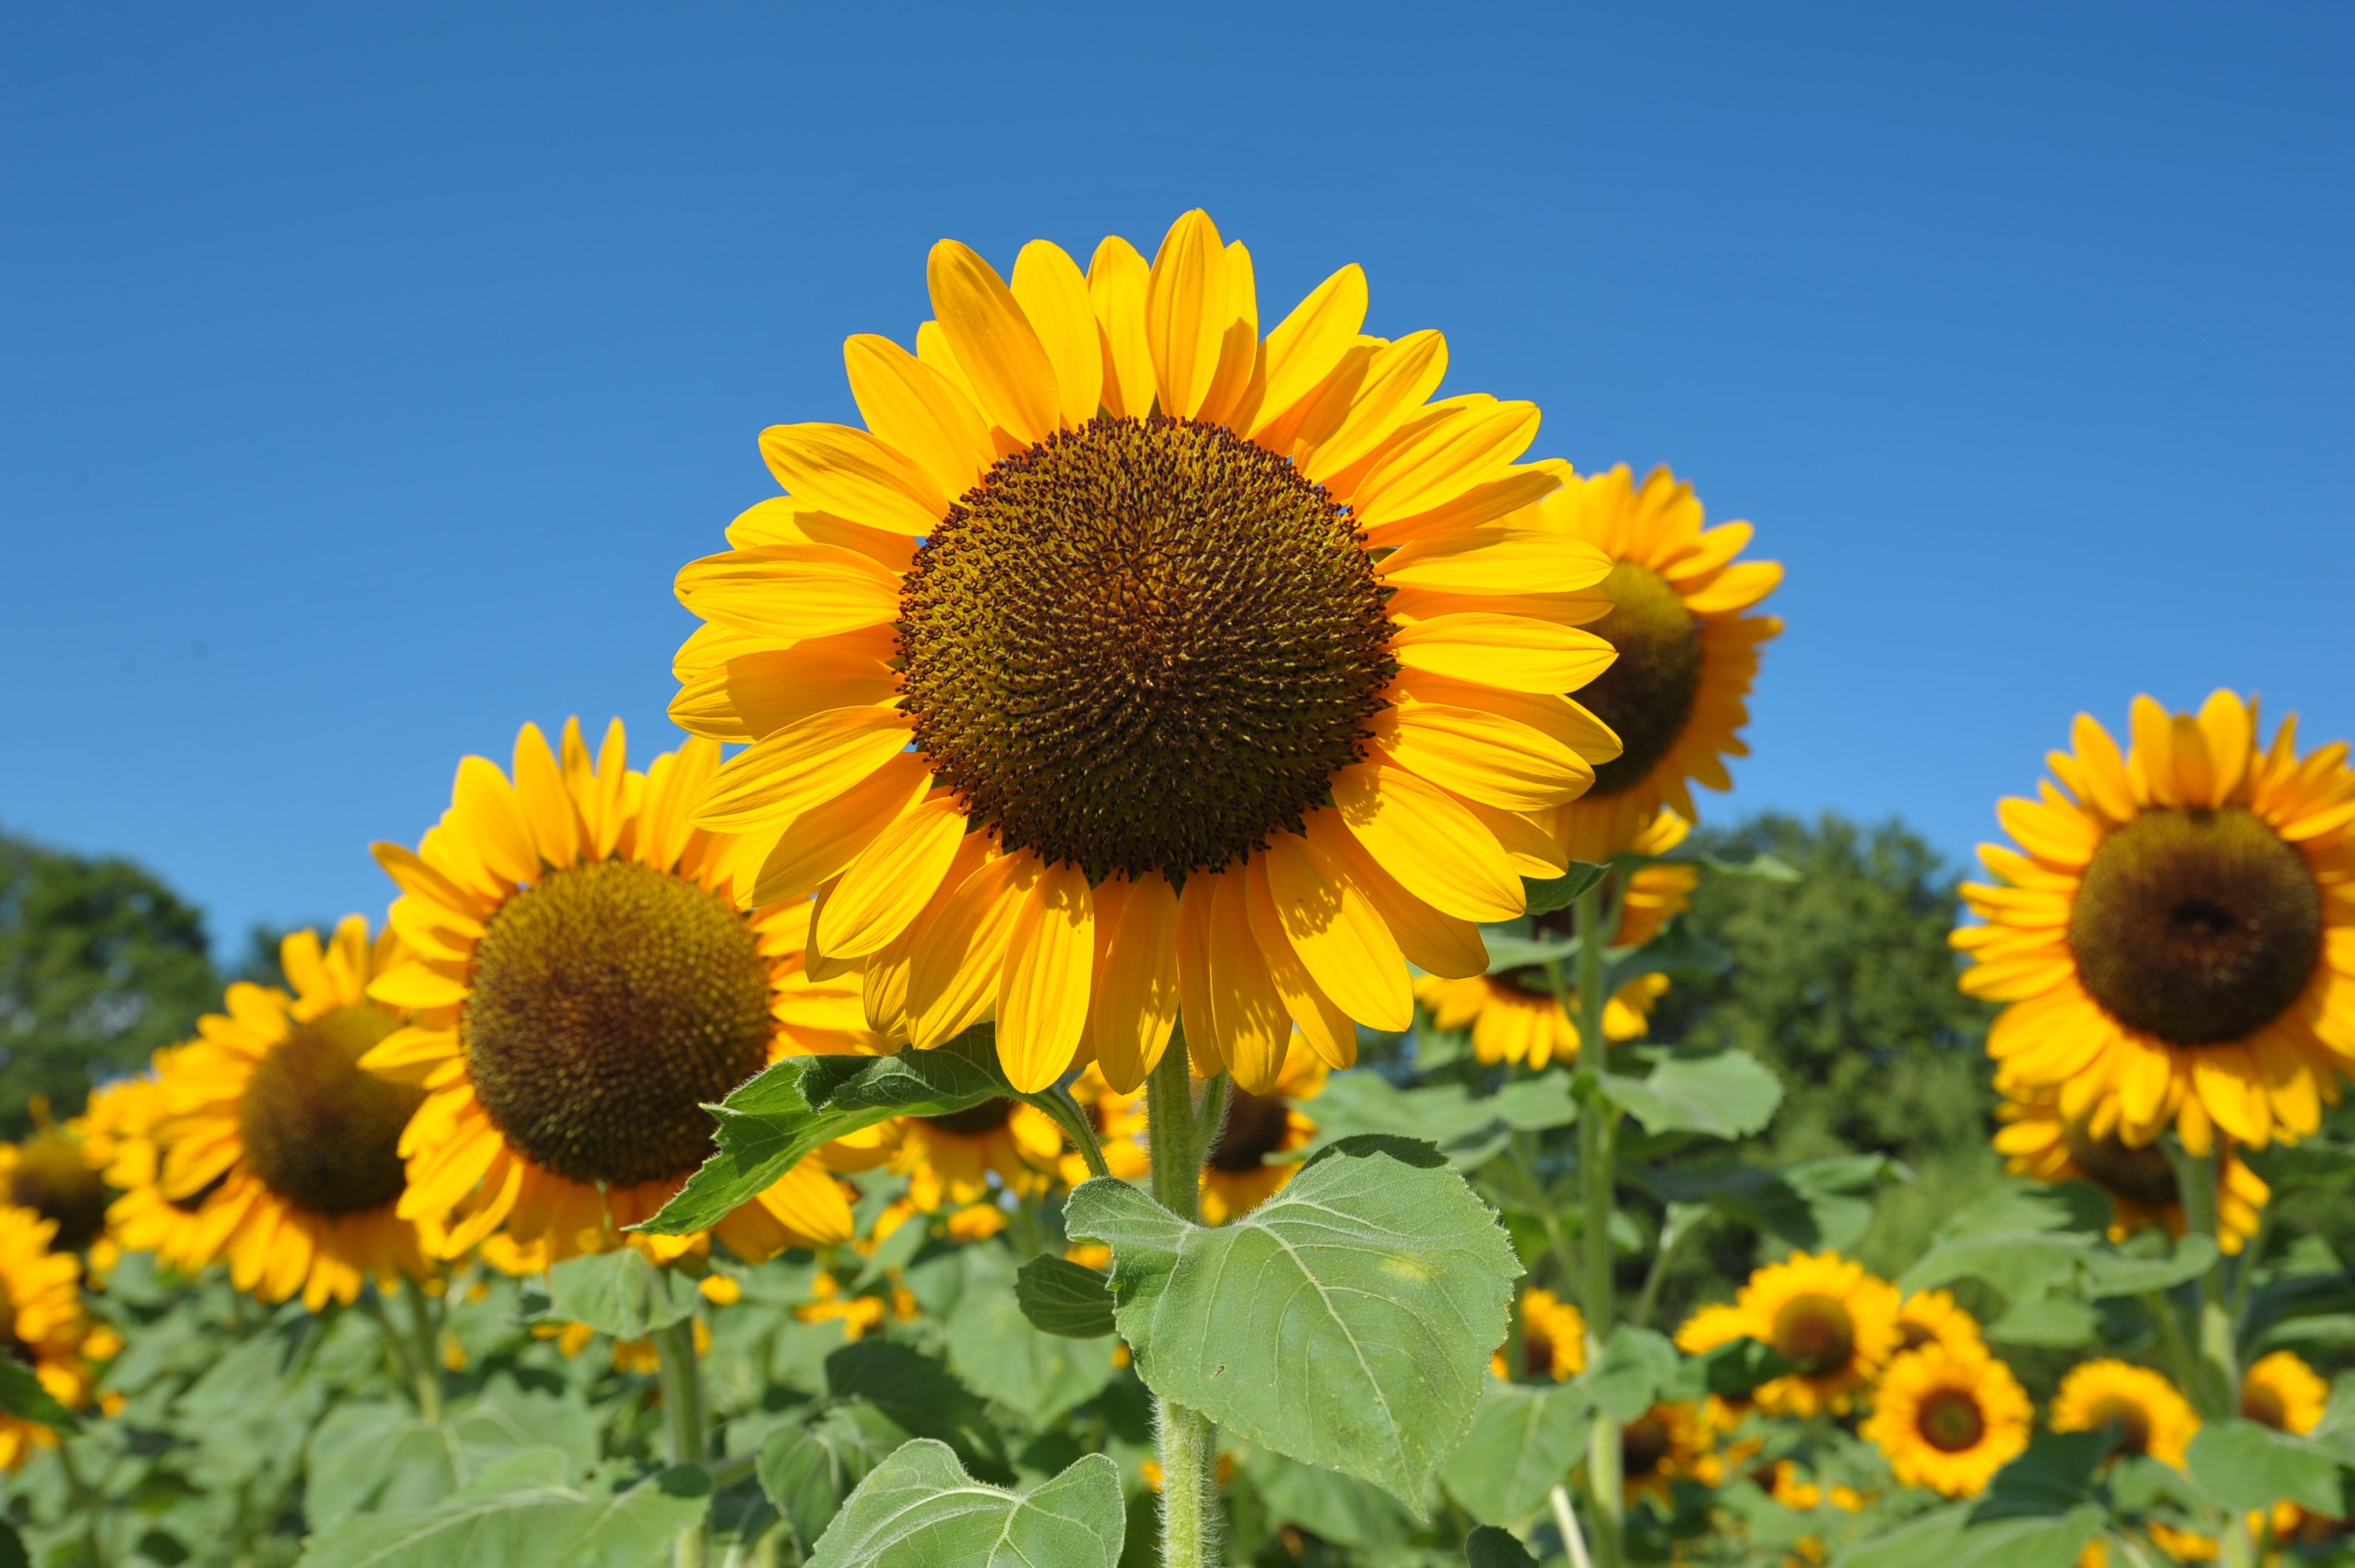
{"points": [[1054, 296], [1012, 377], [1042, 998], [1134, 1002], [1425, 838]]}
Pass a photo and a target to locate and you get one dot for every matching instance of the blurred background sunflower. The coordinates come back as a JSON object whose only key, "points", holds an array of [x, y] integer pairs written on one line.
{"points": [[1949, 1420], [2282, 1391], [1834, 1323], [1242, 1169], [55, 1173], [2141, 1184], [1554, 1339], [41, 1310], [2151, 1416]]}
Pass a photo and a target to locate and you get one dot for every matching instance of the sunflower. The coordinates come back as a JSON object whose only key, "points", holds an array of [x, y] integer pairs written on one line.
{"points": [[1679, 695], [1836, 1325], [1553, 1338], [2285, 1394], [1129, 668], [1949, 1421], [2140, 1183], [120, 1139], [965, 1156], [54, 1174], [1664, 1444], [1239, 1173], [584, 986], [2151, 1417], [1119, 1122], [1932, 1318], [278, 1153], [1515, 1015], [40, 1308], [2174, 937]]}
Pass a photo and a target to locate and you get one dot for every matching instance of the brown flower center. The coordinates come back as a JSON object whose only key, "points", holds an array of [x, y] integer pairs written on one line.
{"points": [[1815, 1334], [2262, 1402], [1950, 1421], [319, 1131], [53, 1180], [974, 1120], [2132, 1420], [1647, 695], [2140, 1176], [1254, 1129], [2197, 926], [1143, 645], [1642, 1445], [611, 1003]]}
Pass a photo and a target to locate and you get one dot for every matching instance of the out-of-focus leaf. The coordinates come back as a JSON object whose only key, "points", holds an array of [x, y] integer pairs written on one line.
{"points": [[2055, 1322], [1060, 1296], [919, 1509], [1813, 1204], [917, 1392], [1346, 1322], [2054, 1475], [520, 1513], [808, 1471], [1636, 1368], [997, 1352], [619, 1293], [1723, 1094], [1560, 893], [1679, 951], [1762, 865], [2110, 1273], [1524, 1438], [384, 1458], [1734, 1368], [1470, 1132], [1328, 1504], [1489, 1547], [22, 1395], [2247, 1466]]}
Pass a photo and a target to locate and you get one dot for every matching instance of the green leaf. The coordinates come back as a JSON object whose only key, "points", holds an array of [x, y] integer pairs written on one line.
{"points": [[1507, 951], [619, 1293], [1813, 1204], [1536, 1104], [2054, 1475], [1524, 1438], [384, 1458], [1060, 1296], [1734, 1368], [1488, 1547], [997, 1354], [920, 1509], [808, 1471], [772, 1120], [1329, 1505], [22, 1395], [917, 1392], [1761, 864], [2246, 1466], [1469, 1132], [520, 1514], [1560, 893], [1347, 1322], [2108, 1272], [1679, 951], [1636, 1366], [2054, 1322], [1953, 1536], [1723, 1094]]}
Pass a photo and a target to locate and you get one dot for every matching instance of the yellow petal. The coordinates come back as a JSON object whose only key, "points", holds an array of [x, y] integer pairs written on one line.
{"points": [[1486, 502], [414, 987], [546, 805], [791, 592], [1012, 377], [799, 766], [2231, 736], [483, 808], [1557, 718], [830, 836], [1508, 651], [757, 694], [1237, 382], [1437, 463], [1339, 936], [1496, 560], [893, 878], [1186, 311], [1425, 838], [853, 476], [1042, 998], [918, 413], [959, 952], [1400, 376], [1307, 346], [1134, 1002], [1482, 756], [2102, 770], [1195, 912], [1054, 296], [1738, 587], [1328, 1030], [1437, 944], [1247, 1014], [1529, 849], [1117, 278]]}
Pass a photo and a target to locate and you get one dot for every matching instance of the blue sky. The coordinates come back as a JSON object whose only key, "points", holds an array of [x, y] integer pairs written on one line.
{"points": [[369, 371]]}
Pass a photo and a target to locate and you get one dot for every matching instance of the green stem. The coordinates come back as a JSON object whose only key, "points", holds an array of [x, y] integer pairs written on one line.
{"points": [[1076, 1127], [2170, 1322], [1564, 1521], [1189, 1443], [1648, 1300], [682, 1391], [398, 1349], [426, 1353], [85, 1502], [1597, 1128], [1211, 1116], [2216, 1392]]}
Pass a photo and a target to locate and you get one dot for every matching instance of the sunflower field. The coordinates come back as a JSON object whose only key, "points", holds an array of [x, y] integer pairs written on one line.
{"points": [[1162, 1015]]}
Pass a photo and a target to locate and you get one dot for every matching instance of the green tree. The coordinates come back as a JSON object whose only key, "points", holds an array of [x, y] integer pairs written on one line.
{"points": [[99, 964]]}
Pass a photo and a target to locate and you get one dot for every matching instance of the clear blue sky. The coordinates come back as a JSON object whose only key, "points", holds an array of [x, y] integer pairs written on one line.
{"points": [[369, 371]]}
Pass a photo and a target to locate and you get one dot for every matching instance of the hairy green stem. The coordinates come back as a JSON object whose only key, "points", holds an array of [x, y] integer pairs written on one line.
{"points": [[1077, 1129], [1189, 1443], [424, 1328], [682, 1391], [1597, 1129], [2216, 1393]]}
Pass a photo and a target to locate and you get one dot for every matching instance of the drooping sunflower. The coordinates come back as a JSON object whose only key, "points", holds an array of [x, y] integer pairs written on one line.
{"points": [[54, 1174], [1553, 1338], [1515, 1015], [1932, 1318], [1679, 695], [1835, 1324], [2140, 1183], [1240, 1172], [1949, 1421], [584, 983], [278, 1151], [1130, 666], [2175, 936], [41, 1312], [2285, 1394], [2151, 1417]]}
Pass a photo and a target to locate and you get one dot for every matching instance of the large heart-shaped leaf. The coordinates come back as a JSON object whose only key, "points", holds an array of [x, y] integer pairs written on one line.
{"points": [[1347, 1322], [808, 1471], [520, 1513], [2247, 1466], [920, 1509], [1525, 1437], [917, 1392], [1724, 1093]]}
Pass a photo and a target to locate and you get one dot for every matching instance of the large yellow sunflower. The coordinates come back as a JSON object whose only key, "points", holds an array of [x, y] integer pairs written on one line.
{"points": [[2151, 1417], [1949, 1421], [280, 1150], [2140, 1183], [2176, 933], [585, 985], [40, 1310], [1836, 1325], [2282, 1392], [1679, 695], [1515, 1015], [1240, 1172], [55, 1174], [1130, 666]]}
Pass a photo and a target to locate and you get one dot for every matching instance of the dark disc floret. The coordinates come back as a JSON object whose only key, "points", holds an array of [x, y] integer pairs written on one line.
{"points": [[1815, 1334], [1142, 645], [1951, 1421], [611, 1003], [1646, 694], [2199, 926], [56, 1182], [2143, 1176], [1254, 1129], [321, 1132]]}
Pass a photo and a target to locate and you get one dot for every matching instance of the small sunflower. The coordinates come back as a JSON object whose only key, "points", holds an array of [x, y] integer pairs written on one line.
{"points": [[54, 1174], [1678, 694], [584, 984], [1949, 1421], [2151, 1417], [122, 1119], [1119, 1122], [1553, 1338], [1836, 1325], [953, 1160], [281, 1150], [1514, 1014], [2140, 1183], [2285, 1394], [1239, 1174], [2174, 937], [40, 1309], [1130, 667], [1932, 1318], [1664, 1444]]}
